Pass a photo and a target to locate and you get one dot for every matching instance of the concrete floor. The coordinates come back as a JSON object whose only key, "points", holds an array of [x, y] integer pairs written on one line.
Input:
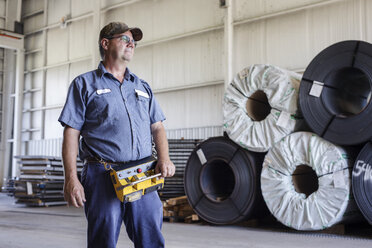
{"points": [[65, 227]]}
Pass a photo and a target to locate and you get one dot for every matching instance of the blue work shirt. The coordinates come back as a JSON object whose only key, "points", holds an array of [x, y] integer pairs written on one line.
{"points": [[114, 119]]}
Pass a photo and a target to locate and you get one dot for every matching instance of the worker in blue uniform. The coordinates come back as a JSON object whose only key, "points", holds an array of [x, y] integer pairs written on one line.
{"points": [[117, 117]]}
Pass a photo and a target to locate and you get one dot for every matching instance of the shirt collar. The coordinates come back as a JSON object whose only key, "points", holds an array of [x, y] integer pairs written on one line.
{"points": [[102, 71], [127, 74]]}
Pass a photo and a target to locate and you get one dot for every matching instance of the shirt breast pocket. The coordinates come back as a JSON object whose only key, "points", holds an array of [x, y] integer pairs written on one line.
{"points": [[105, 107], [143, 105]]}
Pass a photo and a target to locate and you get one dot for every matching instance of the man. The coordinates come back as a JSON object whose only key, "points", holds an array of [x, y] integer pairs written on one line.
{"points": [[116, 114]]}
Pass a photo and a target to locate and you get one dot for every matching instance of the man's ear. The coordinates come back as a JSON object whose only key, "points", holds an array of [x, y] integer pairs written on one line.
{"points": [[104, 43]]}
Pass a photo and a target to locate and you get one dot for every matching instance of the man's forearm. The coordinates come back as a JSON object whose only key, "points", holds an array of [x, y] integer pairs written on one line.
{"points": [[69, 151], [73, 190], [164, 165], [161, 143]]}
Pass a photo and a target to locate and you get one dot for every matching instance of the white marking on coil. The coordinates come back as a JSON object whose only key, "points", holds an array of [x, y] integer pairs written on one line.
{"points": [[29, 188], [201, 156], [243, 73], [284, 119], [361, 167], [338, 179], [316, 89], [103, 91]]}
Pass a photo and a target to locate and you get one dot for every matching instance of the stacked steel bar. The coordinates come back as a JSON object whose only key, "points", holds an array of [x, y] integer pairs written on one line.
{"points": [[179, 152], [8, 187], [41, 181]]}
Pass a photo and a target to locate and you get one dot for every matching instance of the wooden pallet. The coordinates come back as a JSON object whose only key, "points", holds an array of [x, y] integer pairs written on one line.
{"points": [[178, 210]]}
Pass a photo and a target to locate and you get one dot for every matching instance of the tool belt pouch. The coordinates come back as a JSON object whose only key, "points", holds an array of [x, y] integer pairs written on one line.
{"points": [[134, 179]]}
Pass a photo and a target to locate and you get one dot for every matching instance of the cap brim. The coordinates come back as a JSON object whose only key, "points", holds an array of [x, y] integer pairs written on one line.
{"points": [[137, 33]]}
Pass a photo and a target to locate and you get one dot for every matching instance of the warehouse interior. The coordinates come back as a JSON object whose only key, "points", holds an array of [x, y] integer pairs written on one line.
{"points": [[198, 56]]}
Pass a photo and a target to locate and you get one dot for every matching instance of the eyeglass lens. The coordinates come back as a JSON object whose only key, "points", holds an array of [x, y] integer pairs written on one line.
{"points": [[127, 39]]}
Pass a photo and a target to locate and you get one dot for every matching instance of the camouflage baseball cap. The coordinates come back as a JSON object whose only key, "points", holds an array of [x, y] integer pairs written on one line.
{"points": [[117, 28]]}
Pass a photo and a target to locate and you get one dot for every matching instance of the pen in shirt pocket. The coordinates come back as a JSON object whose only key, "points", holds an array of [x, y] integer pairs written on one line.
{"points": [[141, 93]]}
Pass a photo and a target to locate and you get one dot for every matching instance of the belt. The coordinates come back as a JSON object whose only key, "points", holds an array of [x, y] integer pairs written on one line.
{"points": [[106, 164]]}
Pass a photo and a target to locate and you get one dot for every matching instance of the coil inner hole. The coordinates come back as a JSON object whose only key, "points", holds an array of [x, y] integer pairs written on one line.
{"points": [[257, 106], [217, 180], [349, 92], [305, 180]]}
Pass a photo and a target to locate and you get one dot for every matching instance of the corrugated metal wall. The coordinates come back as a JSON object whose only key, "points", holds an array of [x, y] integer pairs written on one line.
{"points": [[182, 53], [293, 37]]}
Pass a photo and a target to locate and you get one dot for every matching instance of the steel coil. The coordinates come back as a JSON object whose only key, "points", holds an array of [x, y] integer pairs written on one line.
{"points": [[362, 181], [260, 106], [305, 182], [335, 93], [222, 181]]}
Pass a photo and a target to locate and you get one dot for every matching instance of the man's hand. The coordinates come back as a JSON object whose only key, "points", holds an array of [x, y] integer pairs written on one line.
{"points": [[165, 167], [74, 193]]}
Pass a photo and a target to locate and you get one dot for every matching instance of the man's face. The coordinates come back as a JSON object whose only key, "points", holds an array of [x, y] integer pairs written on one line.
{"points": [[119, 48]]}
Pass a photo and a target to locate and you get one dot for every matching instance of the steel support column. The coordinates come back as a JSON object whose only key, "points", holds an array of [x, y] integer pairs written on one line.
{"points": [[18, 105], [96, 58], [228, 37]]}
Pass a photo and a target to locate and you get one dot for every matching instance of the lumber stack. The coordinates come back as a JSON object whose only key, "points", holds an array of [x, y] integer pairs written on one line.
{"points": [[178, 210], [41, 181]]}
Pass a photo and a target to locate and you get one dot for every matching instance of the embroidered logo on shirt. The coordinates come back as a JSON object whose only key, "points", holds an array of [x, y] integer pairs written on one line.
{"points": [[103, 91], [141, 93]]}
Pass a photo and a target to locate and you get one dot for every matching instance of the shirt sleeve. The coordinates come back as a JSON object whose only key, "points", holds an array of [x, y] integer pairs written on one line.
{"points": [[73, 113], [155, 112]]}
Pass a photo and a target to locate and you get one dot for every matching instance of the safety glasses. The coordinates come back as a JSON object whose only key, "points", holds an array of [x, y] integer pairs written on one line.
{"points": [[124, 38]]}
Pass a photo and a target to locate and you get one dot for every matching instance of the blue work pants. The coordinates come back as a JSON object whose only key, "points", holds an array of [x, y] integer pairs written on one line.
{"points": [[105, 212]]}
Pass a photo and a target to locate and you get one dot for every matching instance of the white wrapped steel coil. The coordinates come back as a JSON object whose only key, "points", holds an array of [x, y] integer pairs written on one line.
{"points": [[260, 106], [311, 208]]}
